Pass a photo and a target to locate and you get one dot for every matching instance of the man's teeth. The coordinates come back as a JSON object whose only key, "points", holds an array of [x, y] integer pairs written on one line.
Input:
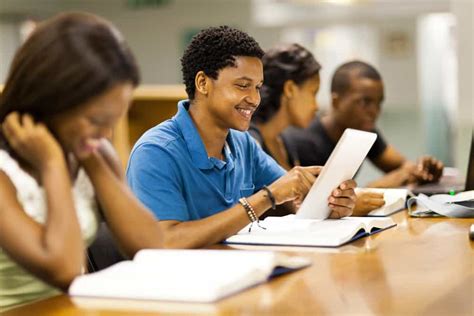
{"points": [[245, 112]]}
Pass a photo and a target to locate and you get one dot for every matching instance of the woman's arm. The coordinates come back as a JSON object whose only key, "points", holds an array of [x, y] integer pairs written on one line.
{"points": [[54, 251], [131, 223]]}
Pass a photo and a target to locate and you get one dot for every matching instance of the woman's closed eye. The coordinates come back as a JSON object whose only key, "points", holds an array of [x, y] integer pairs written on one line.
{"points": [[97, 121]]}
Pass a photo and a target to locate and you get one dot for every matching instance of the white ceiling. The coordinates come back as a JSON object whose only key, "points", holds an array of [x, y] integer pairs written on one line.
{"points": [[291, 12]]}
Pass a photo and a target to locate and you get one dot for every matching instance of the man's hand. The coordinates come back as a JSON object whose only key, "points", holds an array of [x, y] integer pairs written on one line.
{"points": [[367, 201], [295, 184], [427, 169], [342, 200]]}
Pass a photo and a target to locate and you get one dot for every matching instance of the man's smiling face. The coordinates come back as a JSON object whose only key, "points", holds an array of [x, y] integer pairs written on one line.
{"points": [[235, 94]]}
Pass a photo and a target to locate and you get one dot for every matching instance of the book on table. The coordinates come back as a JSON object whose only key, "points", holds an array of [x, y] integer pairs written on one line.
{"points": [[199, 276], [291, 231]]}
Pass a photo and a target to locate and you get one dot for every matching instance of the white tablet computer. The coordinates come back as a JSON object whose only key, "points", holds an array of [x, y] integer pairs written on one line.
{"points": [[342, 165]]}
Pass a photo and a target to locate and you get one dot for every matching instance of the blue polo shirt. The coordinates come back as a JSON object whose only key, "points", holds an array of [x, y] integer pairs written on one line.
{"points": [[170, 172]]}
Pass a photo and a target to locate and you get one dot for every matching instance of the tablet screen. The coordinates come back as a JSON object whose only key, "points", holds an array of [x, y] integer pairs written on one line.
{"points": [[343, 163]]}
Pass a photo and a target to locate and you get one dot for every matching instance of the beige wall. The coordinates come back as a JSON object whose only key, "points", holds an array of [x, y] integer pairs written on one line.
{"points": [[155, 34]]}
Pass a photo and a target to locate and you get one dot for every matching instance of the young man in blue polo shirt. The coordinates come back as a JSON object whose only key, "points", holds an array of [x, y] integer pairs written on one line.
{"points": [[200, 172]]}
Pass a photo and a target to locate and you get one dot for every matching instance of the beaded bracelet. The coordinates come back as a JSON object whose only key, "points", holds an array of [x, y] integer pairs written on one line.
{"points": [[250, 213]]}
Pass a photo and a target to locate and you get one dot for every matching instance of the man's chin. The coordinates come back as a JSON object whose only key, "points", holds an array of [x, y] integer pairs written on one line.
{"points": [[242, 127], [367, 127]]}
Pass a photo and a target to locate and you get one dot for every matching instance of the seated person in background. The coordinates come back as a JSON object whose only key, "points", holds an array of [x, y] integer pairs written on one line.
{"points": [[357, 94], [289, 99], [200, 172], [67, 86]]}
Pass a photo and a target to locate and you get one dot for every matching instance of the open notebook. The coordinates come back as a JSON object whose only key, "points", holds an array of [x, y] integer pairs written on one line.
{"points": [[292, 231], [185, 275], [395, 200]]}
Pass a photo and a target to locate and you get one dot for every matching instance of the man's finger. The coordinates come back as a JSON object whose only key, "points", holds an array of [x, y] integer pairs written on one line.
{"points": [[308, 176], [342, 201], [348, 184], [376, 203], [314, 170], [339, 212], [372, 195]]}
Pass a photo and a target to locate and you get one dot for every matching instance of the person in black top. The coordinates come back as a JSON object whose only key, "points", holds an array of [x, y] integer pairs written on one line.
{"points": [[357, 93], [288, 98], [317, 148]]}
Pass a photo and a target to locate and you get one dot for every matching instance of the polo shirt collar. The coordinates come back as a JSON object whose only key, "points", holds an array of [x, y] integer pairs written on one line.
{"points": [[194, 142]]}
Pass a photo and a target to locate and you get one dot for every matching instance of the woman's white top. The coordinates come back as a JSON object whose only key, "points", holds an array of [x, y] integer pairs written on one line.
{"points": [[18, 286]]}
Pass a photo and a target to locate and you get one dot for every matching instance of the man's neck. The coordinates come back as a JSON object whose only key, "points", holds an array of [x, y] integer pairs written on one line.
{"points": [[211, 134], [332, 128]]}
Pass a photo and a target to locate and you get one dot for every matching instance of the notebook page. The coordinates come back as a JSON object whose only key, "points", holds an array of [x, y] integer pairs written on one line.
{"points": [[288, 223], [302, 232], [189, 280], [371, 222], [202, 259]]}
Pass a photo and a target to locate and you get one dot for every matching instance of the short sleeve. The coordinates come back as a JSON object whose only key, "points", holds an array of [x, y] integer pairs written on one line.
{"points": [[267, 170], [378, 148], [153, 176]]}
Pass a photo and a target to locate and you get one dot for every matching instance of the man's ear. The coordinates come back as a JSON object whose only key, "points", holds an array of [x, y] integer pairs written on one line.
{"points": [[289, 88], [335, 98], [201, 81]]}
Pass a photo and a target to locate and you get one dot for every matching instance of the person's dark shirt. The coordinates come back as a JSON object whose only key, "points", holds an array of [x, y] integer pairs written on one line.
{"points": [[291, 150], [313, 145]]}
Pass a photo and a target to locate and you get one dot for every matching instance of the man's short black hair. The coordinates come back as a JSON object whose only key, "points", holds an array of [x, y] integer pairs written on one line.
{"points": [[341, 80], [213, 49]]}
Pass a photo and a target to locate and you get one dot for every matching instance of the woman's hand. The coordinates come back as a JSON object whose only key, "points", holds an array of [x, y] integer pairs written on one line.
{"points": [[33, 142]]}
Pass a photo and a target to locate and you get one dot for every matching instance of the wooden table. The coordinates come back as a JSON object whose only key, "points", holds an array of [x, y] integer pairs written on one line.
{"points": [[421, 267]]}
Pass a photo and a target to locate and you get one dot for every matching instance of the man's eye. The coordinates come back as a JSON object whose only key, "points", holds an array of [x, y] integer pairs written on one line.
{"points": [[242, 86]]}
